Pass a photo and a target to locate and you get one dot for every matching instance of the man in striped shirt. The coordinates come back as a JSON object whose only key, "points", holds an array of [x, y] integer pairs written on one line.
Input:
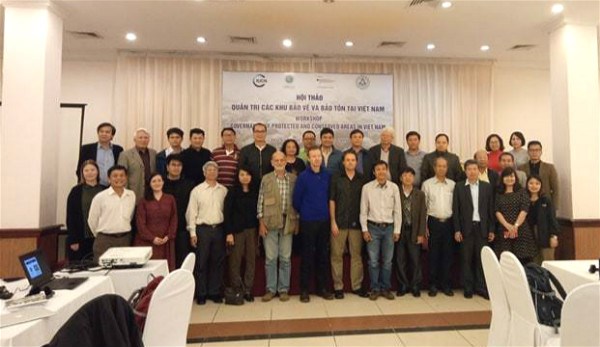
{"points": [[227, 157]]}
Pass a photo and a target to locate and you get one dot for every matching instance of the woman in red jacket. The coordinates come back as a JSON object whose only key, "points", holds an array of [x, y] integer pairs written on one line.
{"points": [[156, 218]]}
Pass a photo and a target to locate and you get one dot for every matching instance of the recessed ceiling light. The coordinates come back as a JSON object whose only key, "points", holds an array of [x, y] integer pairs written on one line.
{"points": [[287, 43], [430, 47], [349, 43], [131, 37], [201, 39], [485, 48], [446, 4], [557, 8]]}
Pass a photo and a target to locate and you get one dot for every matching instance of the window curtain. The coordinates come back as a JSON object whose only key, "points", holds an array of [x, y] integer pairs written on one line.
{"points": [[157, 91]]}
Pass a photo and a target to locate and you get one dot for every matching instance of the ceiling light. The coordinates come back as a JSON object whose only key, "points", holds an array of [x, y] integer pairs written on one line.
{"points": [[446, 4], [201, 39], [131, 37], [349, 43], [287, 43], [485, 48], [430, 47], [557, 8]]}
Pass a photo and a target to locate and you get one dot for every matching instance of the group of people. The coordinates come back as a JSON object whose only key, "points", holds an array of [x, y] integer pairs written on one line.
{"points": [[393, 201]]}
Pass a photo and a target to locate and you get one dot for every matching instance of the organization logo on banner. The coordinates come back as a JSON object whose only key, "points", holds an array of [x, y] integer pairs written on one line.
{"points": [[289, 79], [259, 80], [363, 82]]}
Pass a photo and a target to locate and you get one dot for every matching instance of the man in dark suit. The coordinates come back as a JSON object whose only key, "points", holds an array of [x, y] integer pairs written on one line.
{"points": [[104, 152], [412, 236], [486, 174], [473, 217], [393, 155], [455, 172]]}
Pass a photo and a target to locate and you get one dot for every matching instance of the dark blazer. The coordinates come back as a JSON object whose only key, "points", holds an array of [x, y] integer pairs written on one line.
{"points": [[545, 222], [89, 151], [397, 162], [455, 171], [161, 163], [462, 208], [494, 178], [75, 219], [418, 211], [549, 180]]}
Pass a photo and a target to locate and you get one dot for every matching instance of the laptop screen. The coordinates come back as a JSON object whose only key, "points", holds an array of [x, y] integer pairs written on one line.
{"points": [[36, 268], [33, 267]]}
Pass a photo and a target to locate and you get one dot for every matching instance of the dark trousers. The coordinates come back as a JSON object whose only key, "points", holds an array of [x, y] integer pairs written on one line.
{"points": [[210, 256], [407, 250], [315, 254], [470, 258], [244, 247], [440, 252], [85, 251], [182, 247]]}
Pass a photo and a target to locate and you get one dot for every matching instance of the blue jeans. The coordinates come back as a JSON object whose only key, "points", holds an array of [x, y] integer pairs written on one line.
{"points": [[381, 245], [278, 246]]}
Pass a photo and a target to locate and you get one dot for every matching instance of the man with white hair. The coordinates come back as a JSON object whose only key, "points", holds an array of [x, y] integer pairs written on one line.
{"points": [[393, 155], [140, 162], [204, 218]]}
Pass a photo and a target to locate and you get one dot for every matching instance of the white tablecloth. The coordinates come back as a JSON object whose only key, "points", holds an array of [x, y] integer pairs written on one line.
{"points": [[572, 273], [126, 281], [64, 302]]}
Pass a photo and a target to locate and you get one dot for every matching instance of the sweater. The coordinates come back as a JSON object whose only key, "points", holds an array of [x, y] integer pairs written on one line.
{"points": [[311, 195]]}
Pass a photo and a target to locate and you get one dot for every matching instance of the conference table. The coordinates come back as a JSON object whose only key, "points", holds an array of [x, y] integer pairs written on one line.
{"points": [[572, 273], [64, 304], [126, 281]]}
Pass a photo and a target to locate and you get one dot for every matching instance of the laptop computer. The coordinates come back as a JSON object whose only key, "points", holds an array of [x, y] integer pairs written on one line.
{"points": [[39, 275]]}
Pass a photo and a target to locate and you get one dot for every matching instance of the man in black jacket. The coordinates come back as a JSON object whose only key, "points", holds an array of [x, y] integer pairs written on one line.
{"points": [[257, 155], [455, 172], [195, 156], [104, 152], [180, 188], [393, 155], [473, 217]]}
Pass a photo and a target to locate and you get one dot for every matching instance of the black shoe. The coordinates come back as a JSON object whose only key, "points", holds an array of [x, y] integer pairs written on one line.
{"points": [[448, 292], [432, 291], [326, 295], [416, 292], [249, 297], [401, 292], [484, 294], [468, 294], [339, 294], [201, 300], [361, 292], [217, 299], [304, 297]]}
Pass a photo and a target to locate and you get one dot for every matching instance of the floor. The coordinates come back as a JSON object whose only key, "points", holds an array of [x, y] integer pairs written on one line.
{"points": [[353, 321]]}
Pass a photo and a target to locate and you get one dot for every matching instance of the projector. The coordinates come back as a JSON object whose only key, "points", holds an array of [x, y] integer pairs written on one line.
{"points": [[125, 257]]}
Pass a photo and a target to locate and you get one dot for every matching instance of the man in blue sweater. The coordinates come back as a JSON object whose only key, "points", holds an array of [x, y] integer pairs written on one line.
{"points": [[311, 200]]}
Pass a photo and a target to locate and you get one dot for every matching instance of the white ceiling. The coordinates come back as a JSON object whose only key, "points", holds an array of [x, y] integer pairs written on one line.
{"points": [[319, 28]]}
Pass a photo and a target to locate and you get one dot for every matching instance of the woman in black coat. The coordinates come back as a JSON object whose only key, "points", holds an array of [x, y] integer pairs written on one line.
{"points": [[542, 219], [80, 240]]}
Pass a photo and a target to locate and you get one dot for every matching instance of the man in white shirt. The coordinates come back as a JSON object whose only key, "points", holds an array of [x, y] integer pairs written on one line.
{"points": [[204, 218], [438, 197], [381, 220], [111, 213]]}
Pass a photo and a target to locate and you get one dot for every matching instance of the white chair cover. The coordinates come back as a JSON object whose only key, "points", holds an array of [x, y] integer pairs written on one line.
{"points": [[189, 262], [500, 325], [580, 317], [524, 327], [170, 309]]}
